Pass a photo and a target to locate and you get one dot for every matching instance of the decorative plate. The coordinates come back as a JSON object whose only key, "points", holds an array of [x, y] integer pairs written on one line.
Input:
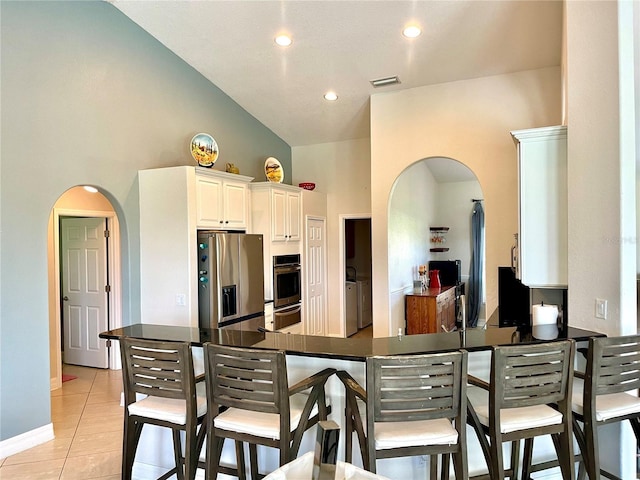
{"points": [[273, 170], [204, 149]]}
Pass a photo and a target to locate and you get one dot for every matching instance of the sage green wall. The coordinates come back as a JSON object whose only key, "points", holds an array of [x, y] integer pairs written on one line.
{"points": [[88, 97]]}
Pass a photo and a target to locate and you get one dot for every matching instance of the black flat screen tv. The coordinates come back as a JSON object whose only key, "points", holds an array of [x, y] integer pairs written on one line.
{"points": [[449, 271]]}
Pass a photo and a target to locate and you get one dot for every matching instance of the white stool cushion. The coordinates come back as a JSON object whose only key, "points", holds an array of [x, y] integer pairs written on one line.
{"points": [[513, 419], [608, 406], [169, 409], [439, 431], [261, 424]]}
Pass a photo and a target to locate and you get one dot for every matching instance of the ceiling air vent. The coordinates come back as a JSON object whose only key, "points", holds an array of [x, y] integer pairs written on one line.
{"points": [[385, 82]]}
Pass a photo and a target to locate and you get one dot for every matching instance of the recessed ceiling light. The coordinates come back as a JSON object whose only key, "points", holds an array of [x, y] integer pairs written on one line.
{"points": [[412, 31], [90, 189], [283, 40], [331, 96]]}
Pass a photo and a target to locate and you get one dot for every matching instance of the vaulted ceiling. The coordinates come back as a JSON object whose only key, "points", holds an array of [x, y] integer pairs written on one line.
{"points": [[341, 46]]}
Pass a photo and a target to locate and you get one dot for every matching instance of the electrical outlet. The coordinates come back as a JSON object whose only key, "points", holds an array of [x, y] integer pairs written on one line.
{"points": [[181, 300], [601, 308]]}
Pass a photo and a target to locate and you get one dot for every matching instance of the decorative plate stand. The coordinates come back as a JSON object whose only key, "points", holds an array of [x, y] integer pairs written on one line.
{"points": [[204, 150]]}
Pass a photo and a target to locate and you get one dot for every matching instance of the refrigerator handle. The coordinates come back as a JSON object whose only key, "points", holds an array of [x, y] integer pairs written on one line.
{"points": [[514, 255]]}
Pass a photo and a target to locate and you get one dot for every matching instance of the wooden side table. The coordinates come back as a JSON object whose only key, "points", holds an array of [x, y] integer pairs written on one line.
{"points": [[431, 311]]}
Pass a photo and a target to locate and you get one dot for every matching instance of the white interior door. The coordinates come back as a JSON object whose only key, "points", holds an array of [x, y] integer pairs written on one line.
{"points": [[315, 303], [84, 297]]}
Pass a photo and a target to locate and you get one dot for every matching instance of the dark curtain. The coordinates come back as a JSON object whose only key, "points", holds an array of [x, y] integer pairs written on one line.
{"points": [[475, 273]]}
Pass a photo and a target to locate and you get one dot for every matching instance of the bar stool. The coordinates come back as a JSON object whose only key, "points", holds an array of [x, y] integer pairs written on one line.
{"points": [[601, 394], [415, 405], [529, 395], [160, 389], [250, 401]]}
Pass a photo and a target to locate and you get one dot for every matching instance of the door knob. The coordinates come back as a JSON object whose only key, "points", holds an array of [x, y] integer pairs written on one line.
{"points": [[65, 298]]}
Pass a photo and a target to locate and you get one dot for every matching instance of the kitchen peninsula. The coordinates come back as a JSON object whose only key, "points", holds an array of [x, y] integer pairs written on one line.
{"points": [[307, 354]]}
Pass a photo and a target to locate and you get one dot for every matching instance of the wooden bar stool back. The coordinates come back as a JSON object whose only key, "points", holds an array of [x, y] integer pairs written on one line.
{"points": [[415, 405], [250, 401], [606, 393], [160, 389], [529, 395]]}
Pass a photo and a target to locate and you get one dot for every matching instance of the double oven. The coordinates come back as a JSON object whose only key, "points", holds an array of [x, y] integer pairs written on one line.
{"points": [[287, 296]]}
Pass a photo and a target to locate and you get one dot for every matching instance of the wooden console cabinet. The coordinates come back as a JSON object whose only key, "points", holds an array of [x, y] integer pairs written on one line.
{"points": [[432, 311]]}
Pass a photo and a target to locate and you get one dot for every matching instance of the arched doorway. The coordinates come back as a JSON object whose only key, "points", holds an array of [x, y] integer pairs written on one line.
{"points": [[77, 202], [432, 192]]}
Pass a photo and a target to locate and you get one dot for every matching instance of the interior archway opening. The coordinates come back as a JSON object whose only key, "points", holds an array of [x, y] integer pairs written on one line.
{"points": [[430, 220], [70, 308]]}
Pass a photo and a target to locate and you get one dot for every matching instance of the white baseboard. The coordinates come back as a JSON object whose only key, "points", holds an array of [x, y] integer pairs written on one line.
{"points": [[26, 440]]}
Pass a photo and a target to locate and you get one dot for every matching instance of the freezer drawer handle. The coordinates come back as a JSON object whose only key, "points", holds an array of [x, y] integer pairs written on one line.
{"points": [[286, 317]]}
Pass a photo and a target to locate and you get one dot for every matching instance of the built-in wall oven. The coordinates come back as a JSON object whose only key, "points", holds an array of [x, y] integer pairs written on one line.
{"points": [[286, 291], [286, 280]]}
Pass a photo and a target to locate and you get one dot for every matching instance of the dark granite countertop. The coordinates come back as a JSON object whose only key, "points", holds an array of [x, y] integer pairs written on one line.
{"points": [[357, 349]]}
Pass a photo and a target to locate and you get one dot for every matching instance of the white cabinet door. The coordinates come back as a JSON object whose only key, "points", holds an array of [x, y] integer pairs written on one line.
{"points": [[279, 216], [285, 216], [221, 203], [542, 195], [268, 316], [293, 216], [235, 205], [209, 202]]}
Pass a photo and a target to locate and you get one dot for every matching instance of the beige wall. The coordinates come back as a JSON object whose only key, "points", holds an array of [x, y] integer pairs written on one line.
{"points": [[601, 165], [342, 171], [470, 122], [602, 148]]}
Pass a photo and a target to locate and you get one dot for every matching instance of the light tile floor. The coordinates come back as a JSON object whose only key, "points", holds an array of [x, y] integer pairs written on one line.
{"points": [[87, 421], [366, 332]]}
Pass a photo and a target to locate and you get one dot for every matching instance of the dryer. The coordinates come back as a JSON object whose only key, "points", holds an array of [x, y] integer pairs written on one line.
{"points": [[350, 308]]}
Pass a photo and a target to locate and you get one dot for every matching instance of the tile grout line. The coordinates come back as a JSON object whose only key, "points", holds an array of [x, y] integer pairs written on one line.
{"points": [[75, 431]]}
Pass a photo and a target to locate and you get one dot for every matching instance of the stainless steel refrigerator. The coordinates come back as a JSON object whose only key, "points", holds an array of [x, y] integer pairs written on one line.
{"points": [[230, 280]]}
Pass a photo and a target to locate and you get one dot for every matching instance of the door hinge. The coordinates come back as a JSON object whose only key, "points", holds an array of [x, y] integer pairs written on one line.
{"points": [[108, 343], [107, 288], [107, 234]]}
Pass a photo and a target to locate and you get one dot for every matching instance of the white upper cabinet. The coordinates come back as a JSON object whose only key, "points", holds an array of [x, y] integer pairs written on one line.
{"points": [[541, 258], [174, 203], [277, 211], [221, 200]]}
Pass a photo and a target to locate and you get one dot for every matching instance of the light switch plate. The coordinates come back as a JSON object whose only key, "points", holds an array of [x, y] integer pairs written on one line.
{"points": [[601, 308]]}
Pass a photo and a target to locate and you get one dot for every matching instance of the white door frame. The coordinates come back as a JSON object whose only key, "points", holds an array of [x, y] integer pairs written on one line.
{"points": [[343, 264], [115, 280]]}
